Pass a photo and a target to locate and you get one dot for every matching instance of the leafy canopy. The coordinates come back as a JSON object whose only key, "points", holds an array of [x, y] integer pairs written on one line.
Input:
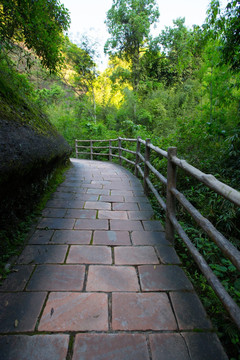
{"points": [[128, 23], [37, 23], [226, 25]]}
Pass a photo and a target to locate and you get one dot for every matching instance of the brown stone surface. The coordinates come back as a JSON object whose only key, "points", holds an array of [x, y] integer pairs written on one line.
{"points": [[18, 278], [204, 346], [149, 238], [41, 237], [110, 347], [19, 311], [57, 278], [168, 347], [39, 254], [37, 347], [56, 223], [149, 311], [128, 225], [89, 224], [135, 255], [112, 278], [164, 278], [81, 254], [189, 311], [98, 205], [77, 237], [68, 311], [112, 238]]}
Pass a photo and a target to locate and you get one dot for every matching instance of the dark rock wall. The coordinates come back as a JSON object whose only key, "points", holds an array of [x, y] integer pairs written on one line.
{"points": [[28, 157]]}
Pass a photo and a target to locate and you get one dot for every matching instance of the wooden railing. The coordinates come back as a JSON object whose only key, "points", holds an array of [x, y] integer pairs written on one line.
{"points": [[143, 166]]}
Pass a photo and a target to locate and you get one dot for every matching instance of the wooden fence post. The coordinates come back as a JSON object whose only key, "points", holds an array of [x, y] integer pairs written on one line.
{"points": [[137, 157], [120, 150], [170, 200], [76, 149], [91, 150], [146, 168], [110, 150]]}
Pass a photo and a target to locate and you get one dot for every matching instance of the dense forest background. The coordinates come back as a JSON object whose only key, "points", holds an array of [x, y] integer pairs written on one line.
{"points": [[181, 88]]}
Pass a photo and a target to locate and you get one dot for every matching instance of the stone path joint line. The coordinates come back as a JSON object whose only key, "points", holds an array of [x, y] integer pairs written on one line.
{"points": [[99, 281]]}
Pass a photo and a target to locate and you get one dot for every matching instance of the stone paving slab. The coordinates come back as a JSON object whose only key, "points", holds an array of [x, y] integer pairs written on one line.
{"points": [[135, 255], [37, 347], [110, 347], [72, 237], [112, 278], [98, 280], [17, 280], [195, 317], [41, 237], [84, 254], [55, 223], [139, 311], [91, 224], [163, 278], [113, 238], [57, 278], [128, 225], [149, 238], [69, 311], [19, 311], [81, 214], [168, 347], [40, 254], [54, 213]]}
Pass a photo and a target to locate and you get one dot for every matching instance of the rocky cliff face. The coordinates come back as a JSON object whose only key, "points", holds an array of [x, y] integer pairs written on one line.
{"points": [[30, 149], [24, 149]]}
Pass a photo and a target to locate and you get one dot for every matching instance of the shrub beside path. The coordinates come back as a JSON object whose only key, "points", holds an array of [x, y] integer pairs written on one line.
{"points": [[99, 281]]}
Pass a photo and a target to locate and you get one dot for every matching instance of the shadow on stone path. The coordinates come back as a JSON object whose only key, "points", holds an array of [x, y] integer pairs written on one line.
{"points": [[99, 281]]}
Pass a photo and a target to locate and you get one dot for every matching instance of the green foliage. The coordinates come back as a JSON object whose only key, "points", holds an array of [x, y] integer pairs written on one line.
{"points": [[224, 24], [39, 24], [129, 24]]}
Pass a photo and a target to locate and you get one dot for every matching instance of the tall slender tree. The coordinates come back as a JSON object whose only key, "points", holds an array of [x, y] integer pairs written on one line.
{"points": [[129, 23]]}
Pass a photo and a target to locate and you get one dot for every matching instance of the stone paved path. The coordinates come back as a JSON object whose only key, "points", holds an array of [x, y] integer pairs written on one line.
{"points": [[99, 281]]}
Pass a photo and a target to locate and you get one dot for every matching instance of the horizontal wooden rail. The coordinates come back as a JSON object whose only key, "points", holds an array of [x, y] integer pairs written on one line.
{"points": [[143, 167]]}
